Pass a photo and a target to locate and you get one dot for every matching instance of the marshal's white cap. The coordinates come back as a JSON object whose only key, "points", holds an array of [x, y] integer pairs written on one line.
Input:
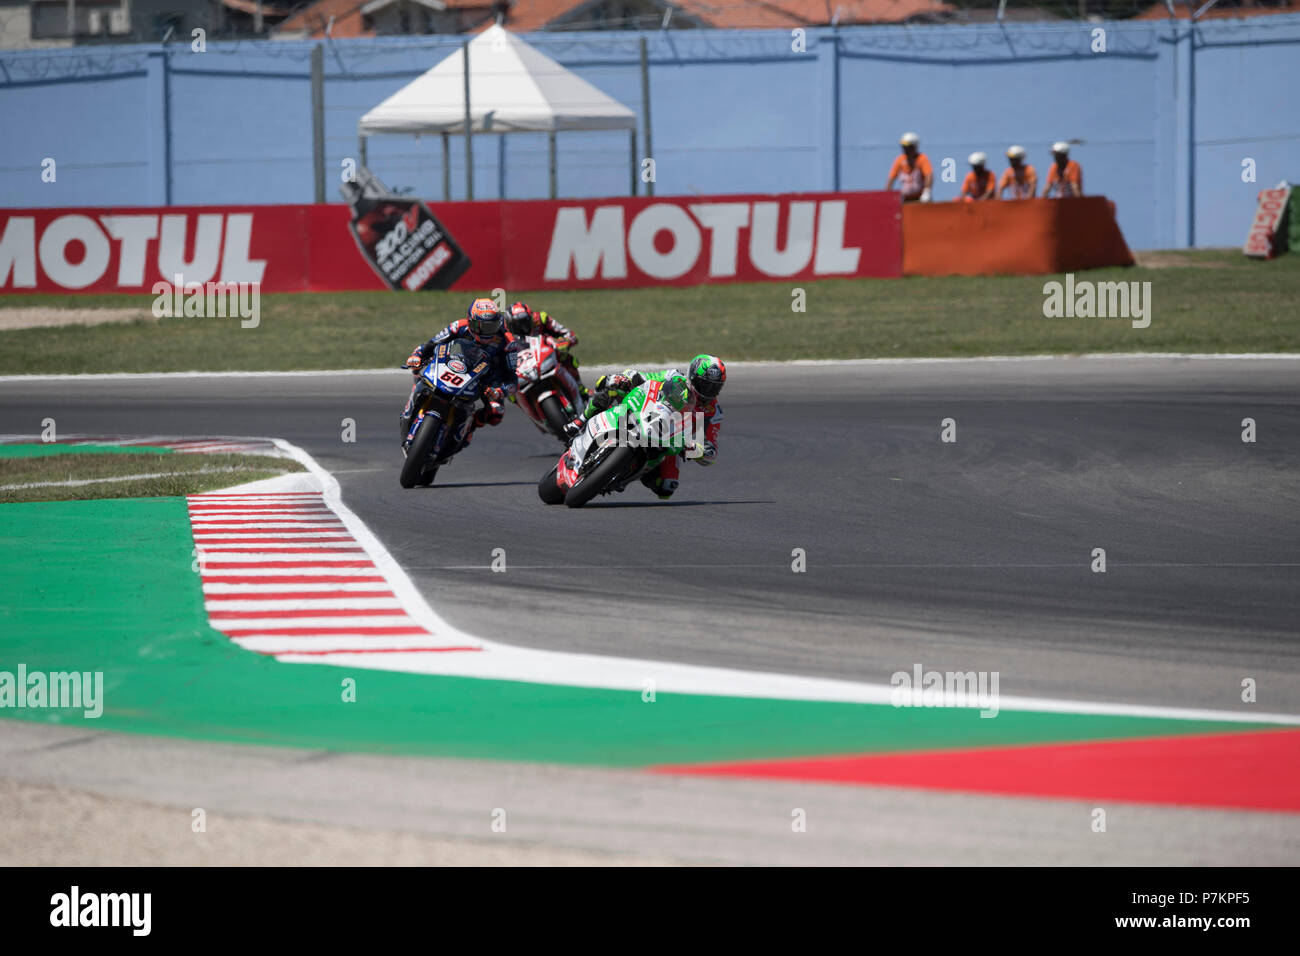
{"points": [[977, 159], [1061, 147], [909, 139]]}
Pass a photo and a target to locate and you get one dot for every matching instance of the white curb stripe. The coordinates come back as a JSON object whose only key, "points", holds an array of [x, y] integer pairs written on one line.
{"points": [[324, 537], [224, 512], [225, 590], [226, 574], [363, 646], [271, 605], [219, 618], [274, 526], [233, 595], [209, 555]]}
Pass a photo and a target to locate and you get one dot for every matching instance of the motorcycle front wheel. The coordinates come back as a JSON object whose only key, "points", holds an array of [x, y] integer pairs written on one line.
{"points": [[616, 463], [549, 490], [417, 465], [553, 412]]}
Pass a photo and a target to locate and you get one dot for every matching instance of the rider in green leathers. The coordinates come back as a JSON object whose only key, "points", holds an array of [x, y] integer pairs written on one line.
{"points": [[704, 381]]}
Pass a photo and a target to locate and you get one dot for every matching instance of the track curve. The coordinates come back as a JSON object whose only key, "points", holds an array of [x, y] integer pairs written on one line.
{"points": [[966, 555]]}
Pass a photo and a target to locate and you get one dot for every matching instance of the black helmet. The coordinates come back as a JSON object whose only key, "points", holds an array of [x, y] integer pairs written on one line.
{"points": [[520, 321], [707, 376]]}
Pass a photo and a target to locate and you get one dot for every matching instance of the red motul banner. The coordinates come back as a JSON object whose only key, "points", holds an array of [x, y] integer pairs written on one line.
{"points": [[570, 244], [625, 243]]}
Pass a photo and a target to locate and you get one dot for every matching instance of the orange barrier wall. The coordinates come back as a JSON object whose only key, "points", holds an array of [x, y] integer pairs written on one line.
{"points": [[1026, 237]]}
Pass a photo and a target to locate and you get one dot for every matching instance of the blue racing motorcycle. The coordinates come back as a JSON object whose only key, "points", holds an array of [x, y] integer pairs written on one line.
{"points": [[449, 384]]}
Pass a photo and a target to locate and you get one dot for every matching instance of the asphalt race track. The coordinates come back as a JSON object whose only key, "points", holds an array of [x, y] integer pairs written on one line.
{"points": [[974, 554], [971, 555]]}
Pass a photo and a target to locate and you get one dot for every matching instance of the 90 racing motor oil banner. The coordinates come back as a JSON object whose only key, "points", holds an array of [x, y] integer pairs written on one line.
{"points": [[566, 244], [401, 238]]}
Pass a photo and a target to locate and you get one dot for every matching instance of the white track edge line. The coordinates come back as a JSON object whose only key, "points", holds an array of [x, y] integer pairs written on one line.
{"points": [[590, 670]]}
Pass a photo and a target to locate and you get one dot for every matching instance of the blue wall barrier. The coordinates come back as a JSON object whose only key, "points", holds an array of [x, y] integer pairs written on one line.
{"points": [[1166, 116]]}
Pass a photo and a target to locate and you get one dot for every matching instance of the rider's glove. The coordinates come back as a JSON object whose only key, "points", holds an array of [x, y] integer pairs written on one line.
{"points": [[710, 454], [574, 428], [414, 362], [491, 415], [493, 395], [616, 384]]}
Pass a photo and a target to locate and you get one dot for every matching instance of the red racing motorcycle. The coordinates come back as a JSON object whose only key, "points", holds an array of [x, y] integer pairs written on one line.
{"points": [[548, 391]]}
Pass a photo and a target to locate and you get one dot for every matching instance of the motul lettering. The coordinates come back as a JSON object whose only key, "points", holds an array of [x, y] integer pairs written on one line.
{"points": [[76, 250], [593, 243], [432, 262], [54, 246], [798, 238], [587, 248], [813, 235]]}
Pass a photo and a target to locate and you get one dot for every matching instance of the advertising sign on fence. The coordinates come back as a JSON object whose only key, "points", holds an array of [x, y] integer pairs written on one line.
{"points": [[1267, 235], [524, 245]]}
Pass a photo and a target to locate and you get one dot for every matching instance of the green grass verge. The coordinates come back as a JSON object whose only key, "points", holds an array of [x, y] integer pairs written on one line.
{"points": [[1202, 301], [152, 473]]}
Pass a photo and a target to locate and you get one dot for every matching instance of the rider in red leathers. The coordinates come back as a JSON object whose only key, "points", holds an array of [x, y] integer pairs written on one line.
{"points": [[543, 323]]}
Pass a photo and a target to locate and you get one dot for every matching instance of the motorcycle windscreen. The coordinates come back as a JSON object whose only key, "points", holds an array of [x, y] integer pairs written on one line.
{"points": [[457, 370]]}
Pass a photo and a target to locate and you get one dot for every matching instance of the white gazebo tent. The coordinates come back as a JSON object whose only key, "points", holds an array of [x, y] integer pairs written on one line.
{"points": [[509, 87]]}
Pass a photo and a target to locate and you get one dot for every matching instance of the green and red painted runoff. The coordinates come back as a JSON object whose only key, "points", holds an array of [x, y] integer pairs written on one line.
{"points": [[188, 650]]}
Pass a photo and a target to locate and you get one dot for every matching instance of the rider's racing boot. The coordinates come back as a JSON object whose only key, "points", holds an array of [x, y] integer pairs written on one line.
{"points": [[663, 487]]}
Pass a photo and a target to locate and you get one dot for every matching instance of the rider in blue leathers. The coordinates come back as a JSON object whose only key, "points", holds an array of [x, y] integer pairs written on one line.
{"points": [[485, 327]]}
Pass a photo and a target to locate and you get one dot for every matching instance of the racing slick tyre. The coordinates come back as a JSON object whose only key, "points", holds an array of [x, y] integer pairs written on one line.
{"points": [[618, 462], [417, 465], [553, 411], [548, 490]]}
